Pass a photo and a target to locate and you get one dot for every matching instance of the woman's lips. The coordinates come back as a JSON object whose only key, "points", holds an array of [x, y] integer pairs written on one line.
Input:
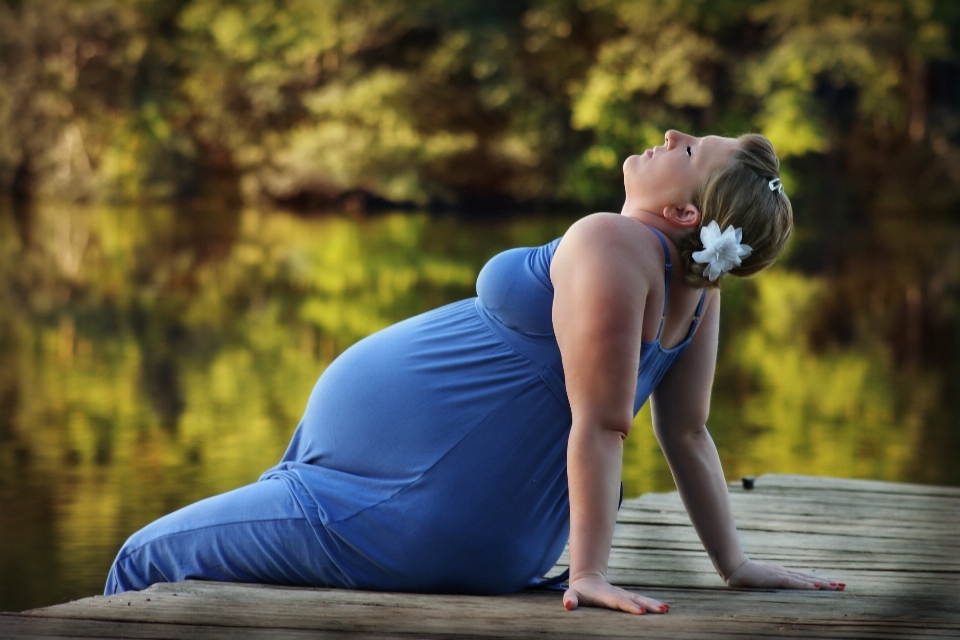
{"points": [[648, 153]]}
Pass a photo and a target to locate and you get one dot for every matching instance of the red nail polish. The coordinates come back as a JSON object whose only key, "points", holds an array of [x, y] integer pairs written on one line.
{"points": [[817, 586]]}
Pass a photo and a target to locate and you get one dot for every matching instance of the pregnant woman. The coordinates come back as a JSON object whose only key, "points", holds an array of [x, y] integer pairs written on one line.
{"points": [[458, 451]]}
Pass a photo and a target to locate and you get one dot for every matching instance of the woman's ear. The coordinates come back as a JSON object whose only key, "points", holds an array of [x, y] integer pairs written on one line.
{"points": [[686, 216]]}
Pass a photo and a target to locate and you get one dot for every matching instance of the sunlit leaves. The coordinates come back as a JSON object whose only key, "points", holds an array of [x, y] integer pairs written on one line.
{"points": [[645, 63], [839, 51], [430, 102], [361, 134], [794, 123]]}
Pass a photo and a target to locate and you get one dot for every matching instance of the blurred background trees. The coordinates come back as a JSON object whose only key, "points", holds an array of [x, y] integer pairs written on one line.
{"points": [[470, 102]]}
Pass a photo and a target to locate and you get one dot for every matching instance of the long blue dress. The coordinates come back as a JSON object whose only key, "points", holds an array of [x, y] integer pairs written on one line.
{"points": [[431, 458]]}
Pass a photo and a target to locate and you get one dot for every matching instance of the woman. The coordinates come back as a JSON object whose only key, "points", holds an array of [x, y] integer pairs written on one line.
{"points": [[459, 450]]}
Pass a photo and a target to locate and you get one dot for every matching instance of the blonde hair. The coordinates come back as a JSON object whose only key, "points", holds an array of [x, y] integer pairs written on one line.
{"points": [[739, 194]]}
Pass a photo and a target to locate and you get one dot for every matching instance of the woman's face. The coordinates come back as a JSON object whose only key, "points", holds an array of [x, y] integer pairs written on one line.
{"points": [[667, 175]]}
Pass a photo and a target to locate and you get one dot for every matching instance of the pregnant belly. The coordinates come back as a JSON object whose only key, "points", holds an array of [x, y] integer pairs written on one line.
{"points": [[397, 401]]}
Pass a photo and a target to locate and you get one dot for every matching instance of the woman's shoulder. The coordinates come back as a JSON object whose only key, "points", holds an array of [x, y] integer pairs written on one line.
{"points": [[613, 236]]}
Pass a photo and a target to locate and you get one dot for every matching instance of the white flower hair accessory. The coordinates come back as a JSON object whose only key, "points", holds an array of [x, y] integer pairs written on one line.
{"points": [[775, 185], [721, 251]]}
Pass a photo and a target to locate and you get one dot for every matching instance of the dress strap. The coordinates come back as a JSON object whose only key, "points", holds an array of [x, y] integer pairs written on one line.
{"points": [[667, 269], [696, 315]]}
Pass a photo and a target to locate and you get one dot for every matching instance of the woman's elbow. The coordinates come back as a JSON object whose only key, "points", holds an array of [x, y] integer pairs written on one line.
{"points": [[620, 427], [673, 428], [606, 422]]}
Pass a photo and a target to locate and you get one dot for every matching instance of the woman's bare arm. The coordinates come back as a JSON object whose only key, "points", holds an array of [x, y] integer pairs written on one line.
{"points": [[680, 406], [600, 282]]}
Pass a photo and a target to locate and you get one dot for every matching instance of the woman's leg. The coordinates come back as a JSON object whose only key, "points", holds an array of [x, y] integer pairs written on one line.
{"points": [[257, 533]]}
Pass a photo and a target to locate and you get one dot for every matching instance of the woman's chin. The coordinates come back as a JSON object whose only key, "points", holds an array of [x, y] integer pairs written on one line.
{"points": [[632, 162]]}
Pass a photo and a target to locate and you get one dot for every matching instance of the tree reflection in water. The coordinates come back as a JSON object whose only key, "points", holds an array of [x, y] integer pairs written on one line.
{"points": [[150, 358]]}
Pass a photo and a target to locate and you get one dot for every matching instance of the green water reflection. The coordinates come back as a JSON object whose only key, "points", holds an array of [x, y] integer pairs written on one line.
{"points": [[152, 357]]}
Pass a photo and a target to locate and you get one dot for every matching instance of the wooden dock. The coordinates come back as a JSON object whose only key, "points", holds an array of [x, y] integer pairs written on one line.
{"points": [[896, 546]]}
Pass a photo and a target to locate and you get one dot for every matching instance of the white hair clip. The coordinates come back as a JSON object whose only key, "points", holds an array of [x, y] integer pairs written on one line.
{"points": [[775, 185], [721, 251]]}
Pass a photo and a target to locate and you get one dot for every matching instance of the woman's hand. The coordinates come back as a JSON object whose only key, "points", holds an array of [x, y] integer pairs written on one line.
{"points": [[763, 575], [594, 591]]}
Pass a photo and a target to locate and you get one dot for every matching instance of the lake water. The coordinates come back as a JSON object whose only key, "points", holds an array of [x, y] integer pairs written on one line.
{"points": [[151, 357]]}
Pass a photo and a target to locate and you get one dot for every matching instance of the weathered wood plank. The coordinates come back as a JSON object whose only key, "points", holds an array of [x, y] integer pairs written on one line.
{"points": [[941, 538], [725, 612], [660, 560], [30, 628], [891, 514], [792, 482], [835, 535], [789, 542], [880, 522], [34, 628]]}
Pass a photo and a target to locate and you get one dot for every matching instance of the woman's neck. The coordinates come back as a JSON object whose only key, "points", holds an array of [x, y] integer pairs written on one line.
{"points": [[672, 231]]}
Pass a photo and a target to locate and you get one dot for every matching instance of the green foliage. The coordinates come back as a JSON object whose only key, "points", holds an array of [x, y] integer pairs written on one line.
{"points": [[429, 102]]}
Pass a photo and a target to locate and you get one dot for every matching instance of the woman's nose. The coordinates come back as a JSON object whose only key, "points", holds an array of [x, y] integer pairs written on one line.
{"points": [[670, 138], [673, 138]]}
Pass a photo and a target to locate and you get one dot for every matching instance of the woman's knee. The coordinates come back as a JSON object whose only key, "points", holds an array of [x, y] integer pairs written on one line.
{"points": [[124, 574], [159, 552]]}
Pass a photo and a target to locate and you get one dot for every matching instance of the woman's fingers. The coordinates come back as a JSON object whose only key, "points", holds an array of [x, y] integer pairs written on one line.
{"points": [[607, 598], [786, 579], [611, 597], [650, 605], [822, 583], [771, 576], [791, 582], [626, 603]]}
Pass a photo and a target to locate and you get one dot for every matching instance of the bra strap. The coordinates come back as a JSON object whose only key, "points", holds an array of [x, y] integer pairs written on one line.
{"points": [[667, 270], [696, 316]]}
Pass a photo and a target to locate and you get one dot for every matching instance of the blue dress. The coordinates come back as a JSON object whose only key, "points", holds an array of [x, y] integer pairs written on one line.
{"points": [[431, 458]]}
